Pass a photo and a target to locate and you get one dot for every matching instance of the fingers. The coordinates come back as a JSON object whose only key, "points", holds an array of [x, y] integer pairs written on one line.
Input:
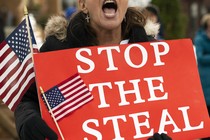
{"points": [[151, 138], [158, 136], [165, 137]]}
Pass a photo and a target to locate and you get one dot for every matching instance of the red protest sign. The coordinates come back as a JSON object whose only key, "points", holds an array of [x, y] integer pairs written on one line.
{"points": [[138, 89]]}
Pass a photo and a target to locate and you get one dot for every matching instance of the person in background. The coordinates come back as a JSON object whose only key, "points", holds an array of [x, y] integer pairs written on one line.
{"points": [[99, 22], [70, 11], [2, 24], [202, 45], [154, 15]]}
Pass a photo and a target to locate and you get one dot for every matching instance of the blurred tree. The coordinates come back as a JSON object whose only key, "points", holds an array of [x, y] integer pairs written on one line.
{"points": [[173, 19]]}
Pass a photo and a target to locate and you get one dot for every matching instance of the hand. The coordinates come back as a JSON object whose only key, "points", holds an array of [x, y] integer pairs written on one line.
{"points": [[36, 129], [162, 136]]}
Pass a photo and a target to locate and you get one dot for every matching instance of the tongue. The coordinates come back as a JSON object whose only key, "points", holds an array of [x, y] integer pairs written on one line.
{"points": [[109, 12]]}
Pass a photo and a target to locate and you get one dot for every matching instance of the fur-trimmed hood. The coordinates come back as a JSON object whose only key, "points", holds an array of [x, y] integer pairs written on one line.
{"points": [[151, 28], [57, 25]]}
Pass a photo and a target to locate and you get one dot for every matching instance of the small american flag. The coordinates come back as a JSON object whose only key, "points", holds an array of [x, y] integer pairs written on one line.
{"points": [[16, 66], [68, 96]]}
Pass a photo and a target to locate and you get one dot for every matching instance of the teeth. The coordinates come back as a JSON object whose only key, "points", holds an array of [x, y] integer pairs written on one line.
{"points": [[109, 1]]}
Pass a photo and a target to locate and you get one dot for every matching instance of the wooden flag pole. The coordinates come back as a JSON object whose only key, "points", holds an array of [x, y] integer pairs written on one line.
{"points": [[42, 91]]}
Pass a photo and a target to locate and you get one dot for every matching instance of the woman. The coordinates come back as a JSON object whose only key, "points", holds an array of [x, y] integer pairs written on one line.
{"points": [[100, 22]]}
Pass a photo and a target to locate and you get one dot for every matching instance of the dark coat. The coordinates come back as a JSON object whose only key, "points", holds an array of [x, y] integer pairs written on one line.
{"points": [[53, 44]]}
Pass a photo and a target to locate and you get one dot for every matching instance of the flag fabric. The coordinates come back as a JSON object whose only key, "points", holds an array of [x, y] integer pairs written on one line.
{"points": [[16, 66], [34, 44], [68, 96]]}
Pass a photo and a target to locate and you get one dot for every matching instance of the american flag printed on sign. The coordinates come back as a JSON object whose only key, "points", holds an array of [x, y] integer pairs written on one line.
{"points": [[16, 66], [68, 96]]}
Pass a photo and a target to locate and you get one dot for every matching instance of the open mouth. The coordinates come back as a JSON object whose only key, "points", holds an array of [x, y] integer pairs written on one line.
{"points": [[109, 7]]}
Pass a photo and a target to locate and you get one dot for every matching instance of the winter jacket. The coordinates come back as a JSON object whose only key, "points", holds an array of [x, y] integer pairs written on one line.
{"points": [[202, 44]]}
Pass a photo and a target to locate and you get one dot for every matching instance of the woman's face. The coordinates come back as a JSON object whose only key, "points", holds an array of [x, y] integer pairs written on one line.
{"points": [[105, 14]]}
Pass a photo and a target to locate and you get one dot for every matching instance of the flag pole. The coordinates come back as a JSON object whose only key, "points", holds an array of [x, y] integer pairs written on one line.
{"points": [[28, 27], [42, 91]]}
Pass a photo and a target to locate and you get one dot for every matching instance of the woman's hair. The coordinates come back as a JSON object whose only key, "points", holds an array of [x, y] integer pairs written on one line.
{"points": [[205, 20], [81, 32], [133, 17]]}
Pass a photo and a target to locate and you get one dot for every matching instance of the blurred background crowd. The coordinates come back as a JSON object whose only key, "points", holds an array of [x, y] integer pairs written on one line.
{"points": [[178, 18]]}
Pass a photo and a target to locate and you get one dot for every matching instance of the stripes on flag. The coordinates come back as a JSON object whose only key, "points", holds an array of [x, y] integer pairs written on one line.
{"points": [[35, 49], [16, 66], [34, 44], [68, 96]]}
